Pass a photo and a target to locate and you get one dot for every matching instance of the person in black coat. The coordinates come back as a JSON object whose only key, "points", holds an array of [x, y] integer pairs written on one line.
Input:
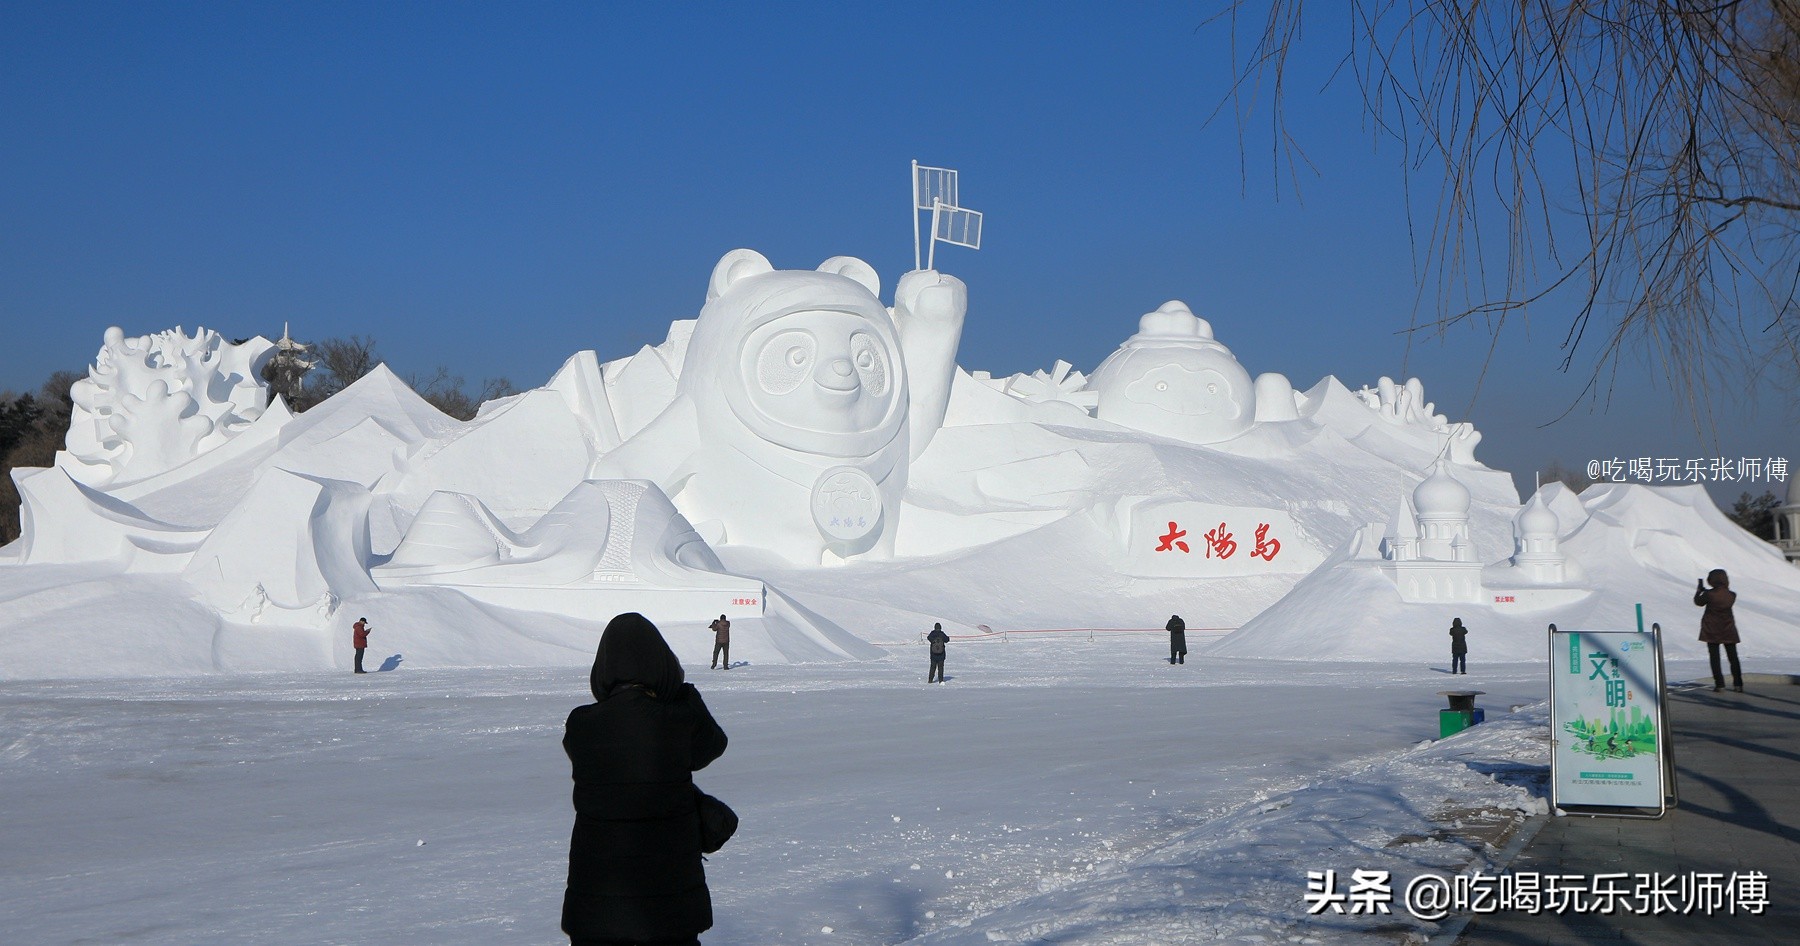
{"points": [[1459, 647], [1177, 639], [635, 874], [937, 639]]}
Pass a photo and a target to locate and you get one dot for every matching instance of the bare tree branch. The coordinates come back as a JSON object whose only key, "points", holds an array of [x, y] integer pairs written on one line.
{"points": [[1642, 158]]}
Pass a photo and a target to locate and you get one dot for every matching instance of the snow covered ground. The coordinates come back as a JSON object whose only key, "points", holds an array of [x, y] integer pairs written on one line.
{"points": [[1054, 790]]}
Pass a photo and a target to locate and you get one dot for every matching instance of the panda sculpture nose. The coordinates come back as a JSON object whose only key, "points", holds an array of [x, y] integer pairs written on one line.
{"points": [[838, 375]]}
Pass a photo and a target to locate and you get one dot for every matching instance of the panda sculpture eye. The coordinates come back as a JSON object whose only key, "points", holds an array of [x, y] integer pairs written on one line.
{"points": [[782, 363], [871, 362]]}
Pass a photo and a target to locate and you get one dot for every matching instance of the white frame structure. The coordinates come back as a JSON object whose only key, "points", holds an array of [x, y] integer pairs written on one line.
{"points": [[935, 189]]}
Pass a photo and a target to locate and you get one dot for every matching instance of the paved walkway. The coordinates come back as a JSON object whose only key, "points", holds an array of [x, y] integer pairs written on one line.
{"points": [[1737, 760]]}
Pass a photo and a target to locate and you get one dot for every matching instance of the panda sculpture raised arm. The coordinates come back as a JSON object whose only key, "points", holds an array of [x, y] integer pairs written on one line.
{"points": [[798, 404]]}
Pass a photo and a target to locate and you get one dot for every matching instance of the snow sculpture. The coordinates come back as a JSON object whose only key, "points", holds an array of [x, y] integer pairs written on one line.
{"points": [[295, 543], [1404, 405], [154, 402], [1537, 557], [63, 521], [1060, 385], [789, 430], [1173, 379], [1538, 575], [1275, 399], [1787, 522], [1428, 552], [608, 546]]}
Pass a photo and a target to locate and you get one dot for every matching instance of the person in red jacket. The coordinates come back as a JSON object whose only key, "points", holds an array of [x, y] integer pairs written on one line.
{"points": [[359, 636]]}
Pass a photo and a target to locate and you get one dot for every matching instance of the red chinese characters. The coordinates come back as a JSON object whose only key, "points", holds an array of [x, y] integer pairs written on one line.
{"points": [[1220, 542], [1174, 537], [1266, 548]]}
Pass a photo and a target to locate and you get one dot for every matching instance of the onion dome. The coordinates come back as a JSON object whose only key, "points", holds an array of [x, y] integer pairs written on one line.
{"points": [[1536, 519], [1441, 496]]}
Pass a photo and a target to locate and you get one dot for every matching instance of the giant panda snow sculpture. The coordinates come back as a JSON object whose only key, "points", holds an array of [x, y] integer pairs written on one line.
{"points": [[789, 431]]}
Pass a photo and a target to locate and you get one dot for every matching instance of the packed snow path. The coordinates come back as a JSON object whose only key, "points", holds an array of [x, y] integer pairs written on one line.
{"points": [[433, 806]]}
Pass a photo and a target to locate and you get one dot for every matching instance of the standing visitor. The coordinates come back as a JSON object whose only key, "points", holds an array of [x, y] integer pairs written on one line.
{"points": [[1718, 626], [359, 638], [1459, 647], [1177, 639], [721, 642], [937, 639], [635, 873]]}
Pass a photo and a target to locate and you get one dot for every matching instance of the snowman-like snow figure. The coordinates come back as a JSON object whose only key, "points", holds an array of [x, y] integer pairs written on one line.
{"points": [[789, 431], [1174, 379]]}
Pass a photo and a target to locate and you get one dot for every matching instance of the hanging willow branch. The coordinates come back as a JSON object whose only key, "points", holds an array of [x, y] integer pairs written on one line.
{"points": [[1633, 163]]}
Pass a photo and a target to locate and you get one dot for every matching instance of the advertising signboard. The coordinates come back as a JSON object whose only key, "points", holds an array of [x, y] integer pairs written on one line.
{"points": [[1609, 754]]}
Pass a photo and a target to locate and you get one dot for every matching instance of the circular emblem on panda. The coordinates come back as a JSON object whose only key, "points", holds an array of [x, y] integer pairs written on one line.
{"points": [[846, 505]]}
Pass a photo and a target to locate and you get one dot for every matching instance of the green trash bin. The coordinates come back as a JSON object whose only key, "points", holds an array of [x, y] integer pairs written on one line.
{"points": [[1453, 721]]}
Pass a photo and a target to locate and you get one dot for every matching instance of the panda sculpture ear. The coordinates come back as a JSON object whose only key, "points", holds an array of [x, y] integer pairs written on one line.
{"points": [[855, 269], [734, 266]]}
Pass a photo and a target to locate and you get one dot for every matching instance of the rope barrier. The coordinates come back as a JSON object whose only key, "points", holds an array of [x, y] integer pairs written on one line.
{"points": [[1006, 635]]}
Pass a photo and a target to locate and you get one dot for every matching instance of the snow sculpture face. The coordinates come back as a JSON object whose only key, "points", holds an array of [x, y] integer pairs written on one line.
{"points": [[809, 361], [1172, 378], [1184, 390], [152, 403], [819, 369]]}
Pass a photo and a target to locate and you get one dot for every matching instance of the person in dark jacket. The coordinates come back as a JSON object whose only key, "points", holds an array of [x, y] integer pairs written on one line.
{"points": [[1459, 647], [937, 639], [635, 874], [721, 642], [1718, 626], [1177, 639]]}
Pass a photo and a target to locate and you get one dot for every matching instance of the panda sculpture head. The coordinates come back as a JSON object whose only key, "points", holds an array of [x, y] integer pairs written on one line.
{"points": [[809, 361]]}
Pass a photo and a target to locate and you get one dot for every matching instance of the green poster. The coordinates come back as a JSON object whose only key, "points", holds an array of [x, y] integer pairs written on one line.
{"points": [[1606, 720]]}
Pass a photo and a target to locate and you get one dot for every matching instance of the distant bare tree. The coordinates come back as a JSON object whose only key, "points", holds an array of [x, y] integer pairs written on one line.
{"points": [[1647, 152], [1575, 480], [340, 362], [444, 391]]}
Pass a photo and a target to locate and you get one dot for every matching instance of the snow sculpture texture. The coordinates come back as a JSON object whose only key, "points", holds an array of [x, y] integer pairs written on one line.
{"points": [[1172, 378], [798, 401], [154, 402], [1404, 405], [608, 546]]}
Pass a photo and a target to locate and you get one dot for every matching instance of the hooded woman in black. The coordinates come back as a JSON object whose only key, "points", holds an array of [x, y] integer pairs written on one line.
{"points": [[634, 858]]}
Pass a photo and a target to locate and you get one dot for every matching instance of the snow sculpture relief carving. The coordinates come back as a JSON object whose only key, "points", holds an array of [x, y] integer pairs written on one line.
{"points": [[154, 402], [1405, 405], [798, 400], [1172, 378]]}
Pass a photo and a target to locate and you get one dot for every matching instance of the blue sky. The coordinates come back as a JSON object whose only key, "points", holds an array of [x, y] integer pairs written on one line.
{"points": [[491, 188]]}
